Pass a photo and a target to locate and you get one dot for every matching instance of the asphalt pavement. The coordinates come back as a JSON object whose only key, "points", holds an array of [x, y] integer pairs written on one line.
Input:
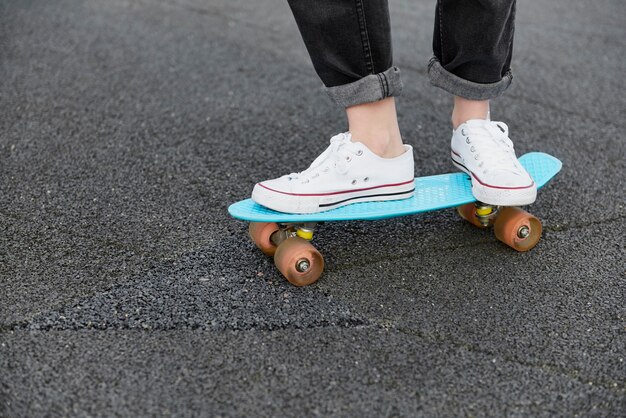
{"points": [[127, 127]]}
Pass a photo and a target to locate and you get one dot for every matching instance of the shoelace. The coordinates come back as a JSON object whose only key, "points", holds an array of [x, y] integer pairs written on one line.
{"points": [[491, 143], [337, 156]]}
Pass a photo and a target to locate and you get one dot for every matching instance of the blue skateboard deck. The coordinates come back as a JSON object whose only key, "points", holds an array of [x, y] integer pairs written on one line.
{"points": [[431, 193]]}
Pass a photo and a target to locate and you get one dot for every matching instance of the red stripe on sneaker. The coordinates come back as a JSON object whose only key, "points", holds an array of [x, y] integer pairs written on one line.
{"points": [[532, 184], [335, 193], [501, 187]]}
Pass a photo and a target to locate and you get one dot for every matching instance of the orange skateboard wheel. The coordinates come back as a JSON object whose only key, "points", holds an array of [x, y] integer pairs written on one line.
{"points": [[517, 228], [468, 212], [299, 261], [261, 234]]}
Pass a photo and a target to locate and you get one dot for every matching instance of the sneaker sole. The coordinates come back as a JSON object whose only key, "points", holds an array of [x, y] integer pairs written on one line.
{"points": [[290, 203], [498, 196]]}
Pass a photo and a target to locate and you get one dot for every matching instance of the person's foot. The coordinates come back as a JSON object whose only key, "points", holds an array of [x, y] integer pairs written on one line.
{"points": [[346, 172], [483, 150]]}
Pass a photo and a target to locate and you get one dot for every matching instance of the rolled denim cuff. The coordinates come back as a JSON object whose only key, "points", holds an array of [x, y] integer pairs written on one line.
{"points": [[458, 86], [370, 88]]}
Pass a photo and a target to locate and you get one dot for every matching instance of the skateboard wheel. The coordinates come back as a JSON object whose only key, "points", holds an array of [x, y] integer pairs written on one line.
{"points": [[299, 261], [517, 228], [468, 212], [261, 234]]}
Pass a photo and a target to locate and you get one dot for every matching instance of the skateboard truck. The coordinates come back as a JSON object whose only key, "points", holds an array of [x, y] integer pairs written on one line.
{"points": [[481, 215], [285, 231], [485, 213]]}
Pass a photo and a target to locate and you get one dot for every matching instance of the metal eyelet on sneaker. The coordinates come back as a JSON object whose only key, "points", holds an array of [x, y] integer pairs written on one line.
{"points": [[366, 179], [348, 159], [359, 152], [353, 182], [476, 156], [463, 132], [467, 140], [472, 148]]}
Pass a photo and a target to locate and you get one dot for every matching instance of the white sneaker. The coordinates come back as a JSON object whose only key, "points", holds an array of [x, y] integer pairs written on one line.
{"points": [[483, 150], [346, 172]]}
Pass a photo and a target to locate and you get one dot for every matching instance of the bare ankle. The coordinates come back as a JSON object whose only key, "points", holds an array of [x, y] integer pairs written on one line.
{"points": [[382, 143], [375, 125], [465, 109]]}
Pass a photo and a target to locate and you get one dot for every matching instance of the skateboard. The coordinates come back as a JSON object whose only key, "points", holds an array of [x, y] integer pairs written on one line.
{"points": [[287, 237]]}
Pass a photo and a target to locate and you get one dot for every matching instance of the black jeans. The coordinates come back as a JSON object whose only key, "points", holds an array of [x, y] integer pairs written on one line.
{"points": [[349, 42]]}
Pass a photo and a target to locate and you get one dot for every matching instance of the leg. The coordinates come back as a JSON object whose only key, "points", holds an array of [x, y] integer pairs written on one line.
{"points": [[466, 109], [349, 42], [350, 45], [375, 124], [472, 44]]}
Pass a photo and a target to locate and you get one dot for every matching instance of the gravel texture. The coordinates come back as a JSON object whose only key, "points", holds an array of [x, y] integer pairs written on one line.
{"points": [[128, 127]]}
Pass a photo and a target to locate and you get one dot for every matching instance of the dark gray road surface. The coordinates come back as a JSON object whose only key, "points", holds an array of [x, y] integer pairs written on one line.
{"points": [[127, 127]]}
